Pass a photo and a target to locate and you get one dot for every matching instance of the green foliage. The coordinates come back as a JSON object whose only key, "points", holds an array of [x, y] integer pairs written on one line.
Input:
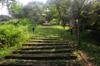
{"points": [[28, 23], [12, 34], [59, 9], [49, 31], [15, 10], [54, 21], [33, 11], [24, 22]]}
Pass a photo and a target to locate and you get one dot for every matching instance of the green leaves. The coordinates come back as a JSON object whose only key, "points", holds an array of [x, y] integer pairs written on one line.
{"points": [[15, 9], [10, 34], [13, 34]]}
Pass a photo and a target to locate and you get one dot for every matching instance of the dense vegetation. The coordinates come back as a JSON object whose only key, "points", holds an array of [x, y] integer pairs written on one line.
{"points": [[13, 33]]}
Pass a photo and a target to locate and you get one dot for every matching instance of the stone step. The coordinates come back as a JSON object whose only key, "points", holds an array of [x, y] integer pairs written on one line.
{"points": [[56, 41], [21, 61], [43, 54], [44, 39], [43, 63], [49, 64], [47, 50], [30, 52], [44, 51], [41, 40], [35, 43], [47, 38], [49, 47], [47, 61], [42, 57], [47, 44]]}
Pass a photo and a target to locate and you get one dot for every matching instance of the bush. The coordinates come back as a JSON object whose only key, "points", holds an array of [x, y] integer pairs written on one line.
{"points": [[54, 21], [11, 35], [14, 33]]}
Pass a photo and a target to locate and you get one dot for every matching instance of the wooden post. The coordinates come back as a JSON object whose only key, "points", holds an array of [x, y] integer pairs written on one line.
{"points": [[78, 32]]}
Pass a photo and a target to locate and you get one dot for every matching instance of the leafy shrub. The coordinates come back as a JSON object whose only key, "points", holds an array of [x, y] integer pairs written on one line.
{"points": [[11, 35], [14, 33], [17, 22], [54, 21]]}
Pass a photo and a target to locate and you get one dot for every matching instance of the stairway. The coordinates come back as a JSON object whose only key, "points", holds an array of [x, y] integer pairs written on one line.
{"points": [[44, 52]]}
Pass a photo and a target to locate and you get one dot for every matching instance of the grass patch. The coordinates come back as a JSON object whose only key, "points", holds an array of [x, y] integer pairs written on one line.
{"points": [[49, 31]]}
